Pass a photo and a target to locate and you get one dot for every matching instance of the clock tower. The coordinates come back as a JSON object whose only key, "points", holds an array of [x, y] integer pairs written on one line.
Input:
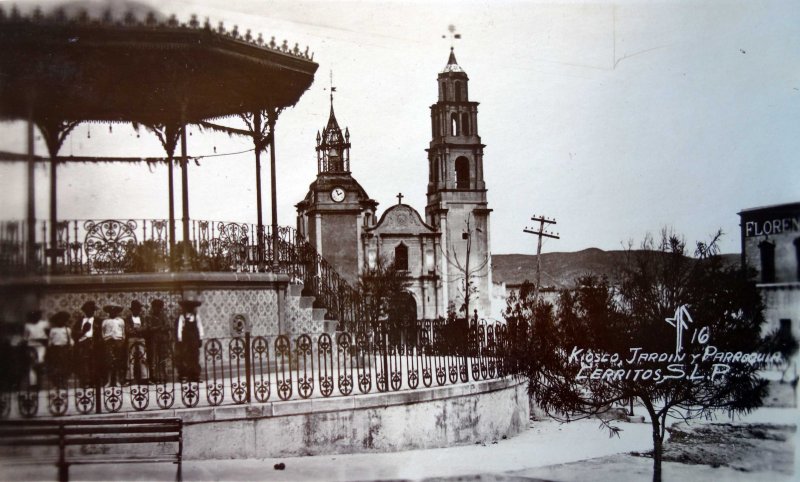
{"points": [[336, 208], [457, 205]]}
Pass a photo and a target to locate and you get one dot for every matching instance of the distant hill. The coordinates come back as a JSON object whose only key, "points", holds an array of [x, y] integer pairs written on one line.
{"points": [[561, 269]]}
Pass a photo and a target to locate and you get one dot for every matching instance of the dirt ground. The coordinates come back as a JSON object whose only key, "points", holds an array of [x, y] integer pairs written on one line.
{"points": [[756, 447]]}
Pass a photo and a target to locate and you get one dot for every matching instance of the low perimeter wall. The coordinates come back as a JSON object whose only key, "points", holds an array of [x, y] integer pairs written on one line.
{"points": [[413, 419], [384, 422]]}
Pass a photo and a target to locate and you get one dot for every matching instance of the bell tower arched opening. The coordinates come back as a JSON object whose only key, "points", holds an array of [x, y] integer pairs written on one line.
{"points": [[462, 173]]}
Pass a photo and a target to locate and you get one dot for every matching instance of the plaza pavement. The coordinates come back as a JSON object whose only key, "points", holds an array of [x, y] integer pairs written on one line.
{"points": [[544, 444]]}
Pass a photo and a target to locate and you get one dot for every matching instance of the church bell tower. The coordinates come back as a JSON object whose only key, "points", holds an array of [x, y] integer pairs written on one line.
{"points": [[457, 204], [332, 214]]}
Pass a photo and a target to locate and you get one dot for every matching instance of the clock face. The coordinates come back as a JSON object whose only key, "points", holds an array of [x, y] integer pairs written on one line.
{"points": [[337, 194]]}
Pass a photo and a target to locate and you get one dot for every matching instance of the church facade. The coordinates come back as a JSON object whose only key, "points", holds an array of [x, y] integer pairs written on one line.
{"points": [[441, 251]]}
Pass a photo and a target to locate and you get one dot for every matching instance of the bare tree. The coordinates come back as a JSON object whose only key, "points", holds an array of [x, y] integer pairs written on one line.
{"points": [[467, 268]]}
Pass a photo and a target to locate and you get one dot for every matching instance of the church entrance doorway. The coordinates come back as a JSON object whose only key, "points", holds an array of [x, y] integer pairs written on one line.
{"points": [[403, 318]]}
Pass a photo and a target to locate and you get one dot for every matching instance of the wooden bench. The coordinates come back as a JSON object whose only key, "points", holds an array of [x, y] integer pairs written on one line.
{"points": [[96, 432]]}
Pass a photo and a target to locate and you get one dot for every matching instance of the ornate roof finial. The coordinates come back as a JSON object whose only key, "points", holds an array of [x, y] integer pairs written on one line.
{"points": [[452, 64], [453, 35], [333, 89]]}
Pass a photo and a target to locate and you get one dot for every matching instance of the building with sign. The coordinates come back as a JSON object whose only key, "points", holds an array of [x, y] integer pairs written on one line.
{"points": [[439, 250], [771, 245]]}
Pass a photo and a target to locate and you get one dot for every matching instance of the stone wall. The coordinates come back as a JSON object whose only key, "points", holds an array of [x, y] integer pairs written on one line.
{"points": [[414, 419]]}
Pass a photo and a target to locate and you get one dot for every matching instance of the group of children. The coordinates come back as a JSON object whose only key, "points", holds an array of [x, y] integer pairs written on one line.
{"points": [[113, 349]]}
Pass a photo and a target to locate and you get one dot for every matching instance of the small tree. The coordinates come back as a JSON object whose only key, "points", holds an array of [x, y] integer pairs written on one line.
{"points": [[654, 338]]}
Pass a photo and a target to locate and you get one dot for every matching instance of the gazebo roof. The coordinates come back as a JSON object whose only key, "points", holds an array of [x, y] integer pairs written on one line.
{"points": [[79, 68]]}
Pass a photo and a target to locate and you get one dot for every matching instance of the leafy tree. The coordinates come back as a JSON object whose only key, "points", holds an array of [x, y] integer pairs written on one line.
{"points": [[595, 348], [380, 288]]}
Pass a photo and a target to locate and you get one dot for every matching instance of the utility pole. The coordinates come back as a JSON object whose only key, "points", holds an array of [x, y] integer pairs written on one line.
{"points": [[541, 233]]}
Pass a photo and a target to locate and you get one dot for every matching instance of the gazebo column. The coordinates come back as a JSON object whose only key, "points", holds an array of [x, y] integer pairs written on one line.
{"points": [[273, 113], [54, 134], [30, 251], [185, 196], [258, 143], [168, 136], [171, 194]]}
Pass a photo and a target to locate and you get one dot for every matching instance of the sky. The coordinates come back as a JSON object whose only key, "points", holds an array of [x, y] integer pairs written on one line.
{"points": [[616, 119]]}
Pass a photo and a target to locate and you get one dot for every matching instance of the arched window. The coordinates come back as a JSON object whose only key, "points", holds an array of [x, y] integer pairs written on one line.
{"points": [[462, 173], [444, 91], [401, 257], [434, 127], [454, 131], [435, 170], [465, 123], [458, 91]]}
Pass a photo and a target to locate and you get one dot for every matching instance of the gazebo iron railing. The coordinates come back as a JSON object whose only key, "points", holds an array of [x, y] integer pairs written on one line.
{"points": [[119, 246]]}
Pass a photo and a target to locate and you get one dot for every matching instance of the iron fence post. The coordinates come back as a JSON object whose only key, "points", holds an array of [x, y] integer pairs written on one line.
{"points": [[247, 367]]}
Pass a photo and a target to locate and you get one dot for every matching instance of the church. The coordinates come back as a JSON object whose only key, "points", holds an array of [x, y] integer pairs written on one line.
{"points": [[440, 250]]}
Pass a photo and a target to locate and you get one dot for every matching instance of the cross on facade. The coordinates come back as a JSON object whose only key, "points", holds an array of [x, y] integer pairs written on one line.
{"points": [[400, 198]]}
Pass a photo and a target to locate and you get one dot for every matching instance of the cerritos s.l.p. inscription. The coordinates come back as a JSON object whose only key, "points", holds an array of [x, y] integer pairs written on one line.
{"points": [[708, 363]]}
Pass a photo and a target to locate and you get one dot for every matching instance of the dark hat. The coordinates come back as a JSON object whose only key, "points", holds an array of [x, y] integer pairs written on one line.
{"points": [[33, 316], [189, 304], [112, 309], [157, 303], [89, 306], [136, 305], [60, 319]]}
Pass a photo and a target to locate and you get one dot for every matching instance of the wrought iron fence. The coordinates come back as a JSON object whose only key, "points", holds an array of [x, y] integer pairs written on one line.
{"points": [[256, 369]]}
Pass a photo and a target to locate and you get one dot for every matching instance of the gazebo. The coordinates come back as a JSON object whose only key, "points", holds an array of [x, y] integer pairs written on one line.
{"points": [[133, 65]]}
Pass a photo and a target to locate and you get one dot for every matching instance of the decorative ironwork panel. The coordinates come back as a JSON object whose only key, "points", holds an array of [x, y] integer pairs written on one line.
{"points": [[139, 388], [261, 378], [140, 396], [395, 368], [165, 394], [482, 351], [344, 363], [363, 363], [112, 399], [108, 243], [84, 398], [215, 385], [283, 364], [325, 364], [305, 366], [229, 250], [412, 366], [453, 362], [58, 399], [237, 370], [425, 361], [475, 351], [190, 393], [28, 402], [440, 368], [381, 364], [491, 352]]}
